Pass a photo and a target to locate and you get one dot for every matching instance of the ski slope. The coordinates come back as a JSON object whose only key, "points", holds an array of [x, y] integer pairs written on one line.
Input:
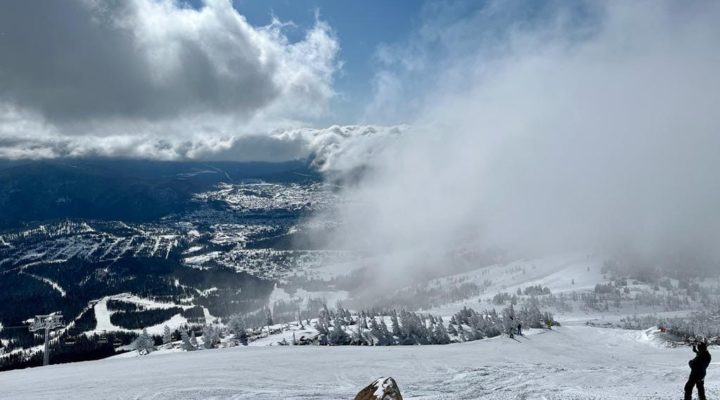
{"points": [[571, 362]]}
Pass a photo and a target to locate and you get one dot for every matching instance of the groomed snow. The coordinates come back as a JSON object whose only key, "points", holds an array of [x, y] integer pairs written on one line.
{"points": [[571, 362], [102, 314]]}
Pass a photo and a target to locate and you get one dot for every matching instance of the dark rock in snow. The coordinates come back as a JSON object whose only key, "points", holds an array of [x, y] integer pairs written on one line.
{"points": [[381, 389]]}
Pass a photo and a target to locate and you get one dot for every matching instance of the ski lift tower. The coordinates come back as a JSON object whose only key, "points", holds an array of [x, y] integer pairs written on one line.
{"points": [[47, 323]]}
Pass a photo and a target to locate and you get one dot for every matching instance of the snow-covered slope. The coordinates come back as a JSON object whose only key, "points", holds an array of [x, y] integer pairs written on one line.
{"points": [[571, 362]]}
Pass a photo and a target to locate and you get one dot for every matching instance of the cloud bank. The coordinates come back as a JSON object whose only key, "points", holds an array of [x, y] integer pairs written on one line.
{"points": [[144, 77], [591, 129]]}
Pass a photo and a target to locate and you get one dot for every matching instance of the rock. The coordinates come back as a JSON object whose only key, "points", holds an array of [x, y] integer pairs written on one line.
{"points": [[381, 389]]}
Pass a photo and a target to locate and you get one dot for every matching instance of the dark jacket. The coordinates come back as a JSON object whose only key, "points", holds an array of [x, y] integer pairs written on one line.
{"points": [[699, 364]]}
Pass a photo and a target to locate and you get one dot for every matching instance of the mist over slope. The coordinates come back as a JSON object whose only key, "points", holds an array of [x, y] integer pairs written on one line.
{"points": [[594, 134]]}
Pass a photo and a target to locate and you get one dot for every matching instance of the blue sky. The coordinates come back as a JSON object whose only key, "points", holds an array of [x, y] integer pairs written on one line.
{"points": [[361, 26]]}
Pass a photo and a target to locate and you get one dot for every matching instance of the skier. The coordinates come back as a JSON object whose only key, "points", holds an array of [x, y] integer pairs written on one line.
{"points": [[698, 366], [519, 330]]}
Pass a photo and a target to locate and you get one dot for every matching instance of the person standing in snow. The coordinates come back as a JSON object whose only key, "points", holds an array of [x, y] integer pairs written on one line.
{"points": [[519, 330], [698, 367]]}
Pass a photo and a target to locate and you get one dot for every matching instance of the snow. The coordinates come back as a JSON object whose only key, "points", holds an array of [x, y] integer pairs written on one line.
{"points": [[49, 282], [102, 314], [571, 362], [193, 249], [379, 383]]}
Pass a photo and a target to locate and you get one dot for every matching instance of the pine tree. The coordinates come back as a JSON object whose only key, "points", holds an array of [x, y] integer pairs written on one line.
{"points": [[385, 337], [144, 344], [236, 325], [395, 325], [167, 335], [376, 331], [463, 338], [321, 327], [193, 340], [338, 336], [440, 335], [358, 339], [211, 336], [363, 322], [186, 343], [269, 321]]}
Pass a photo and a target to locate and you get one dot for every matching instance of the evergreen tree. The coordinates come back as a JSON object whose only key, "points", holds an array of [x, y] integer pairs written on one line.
{"points": [[395, 325], [237, 326], [363, 322], [211, 337], [269, 320], [144, 344], [358, 339], [387, 337], [193, 340], [186, 343], [167, 335], [376, 331], [440, 335], [338, 336]]}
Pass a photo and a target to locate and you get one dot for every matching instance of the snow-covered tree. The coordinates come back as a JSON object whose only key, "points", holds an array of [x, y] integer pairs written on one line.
{"points": [[338, 336], [363, 321], [440, 335], [236, 325], [395, 325], [186, 343], [144, 344], [211, 336], [167, 335], [193, 340]]}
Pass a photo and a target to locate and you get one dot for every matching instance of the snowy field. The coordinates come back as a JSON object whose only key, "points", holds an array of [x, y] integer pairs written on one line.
{"points": [[571, 362]]}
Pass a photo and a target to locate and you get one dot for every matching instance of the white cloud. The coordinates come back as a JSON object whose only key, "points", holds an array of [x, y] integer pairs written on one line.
{"points": [[138, 70], [334, 150]]}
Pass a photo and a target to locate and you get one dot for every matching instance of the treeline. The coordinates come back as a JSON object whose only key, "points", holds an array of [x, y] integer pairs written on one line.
{"points": [[695, 327], [411, 328], [151, 317], [120, 305], [340, 327], [142, 319]]}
